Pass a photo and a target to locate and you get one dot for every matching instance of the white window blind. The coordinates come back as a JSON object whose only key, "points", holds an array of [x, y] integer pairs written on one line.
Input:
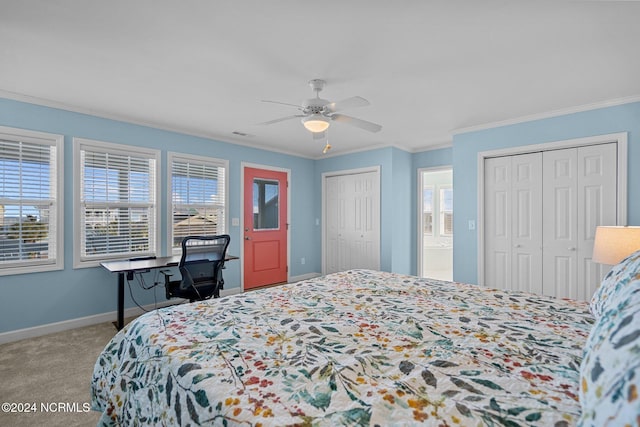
{"points": [[118, 203], [198, 197], [30, 204]]}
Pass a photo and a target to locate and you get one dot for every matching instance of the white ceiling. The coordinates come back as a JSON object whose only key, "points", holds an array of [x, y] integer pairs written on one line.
{"points": [[427, 67]]}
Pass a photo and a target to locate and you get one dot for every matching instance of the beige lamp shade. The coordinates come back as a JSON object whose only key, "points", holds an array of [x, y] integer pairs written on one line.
{"points": [[614, 243]]}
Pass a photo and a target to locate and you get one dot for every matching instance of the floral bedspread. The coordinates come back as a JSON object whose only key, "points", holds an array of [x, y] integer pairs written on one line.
{"points": [[354, 348]]}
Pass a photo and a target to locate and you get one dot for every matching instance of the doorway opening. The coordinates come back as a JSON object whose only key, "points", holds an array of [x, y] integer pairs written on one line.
{"points": [[435, 223]]}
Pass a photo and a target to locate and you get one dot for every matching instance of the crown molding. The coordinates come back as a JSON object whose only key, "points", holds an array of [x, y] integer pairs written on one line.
{"points": [[43, 102], [548, 114], [448, 144], [237, 141]]}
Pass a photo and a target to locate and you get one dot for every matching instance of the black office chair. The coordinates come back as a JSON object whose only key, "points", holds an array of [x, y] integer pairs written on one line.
{"points": [[201, 267]]}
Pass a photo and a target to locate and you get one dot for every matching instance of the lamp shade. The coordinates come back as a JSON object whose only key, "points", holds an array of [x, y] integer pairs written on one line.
{"points": [[315, 123], [614, 243]]}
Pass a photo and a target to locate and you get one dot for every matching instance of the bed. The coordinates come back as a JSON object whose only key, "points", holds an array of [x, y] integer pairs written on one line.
{"points": [[358, 347]]}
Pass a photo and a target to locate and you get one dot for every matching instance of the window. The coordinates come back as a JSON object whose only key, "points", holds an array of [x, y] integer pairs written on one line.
{"points": [[31, 183], [265, 204], [446, 211], [427, 210], [198, 197], [116, 201]]}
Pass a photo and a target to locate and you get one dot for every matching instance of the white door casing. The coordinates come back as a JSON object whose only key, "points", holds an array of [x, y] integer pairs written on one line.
{"points": [[434, 247]]}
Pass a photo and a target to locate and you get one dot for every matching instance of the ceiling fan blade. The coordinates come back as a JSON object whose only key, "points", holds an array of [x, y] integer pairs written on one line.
{"points": [[319, 135], [353, 102], [283, 103], [362, 124], [281, 119]]}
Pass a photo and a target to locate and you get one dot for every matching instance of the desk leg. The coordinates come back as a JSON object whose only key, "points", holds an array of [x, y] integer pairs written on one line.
{"points": [[120, 323]]}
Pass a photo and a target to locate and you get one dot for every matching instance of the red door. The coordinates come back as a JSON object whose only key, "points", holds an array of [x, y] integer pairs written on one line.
{"points": [[265, 227]]}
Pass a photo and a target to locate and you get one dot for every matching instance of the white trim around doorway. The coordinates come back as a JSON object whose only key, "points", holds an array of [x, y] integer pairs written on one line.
{"points": [[419, 216], [326, 175]]}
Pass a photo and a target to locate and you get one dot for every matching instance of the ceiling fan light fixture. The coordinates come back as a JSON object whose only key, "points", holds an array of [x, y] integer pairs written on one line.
{"points": [[315, 123]]}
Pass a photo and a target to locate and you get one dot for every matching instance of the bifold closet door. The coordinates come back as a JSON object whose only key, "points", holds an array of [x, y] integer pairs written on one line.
{"points": [[541, 211], [513, 224], [352, 204], [579, 194]]}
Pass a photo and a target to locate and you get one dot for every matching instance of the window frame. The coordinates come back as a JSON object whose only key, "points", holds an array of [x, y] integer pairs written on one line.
{"points": [[442, 211], [433, 200], [57, 184], [209, 161], [109, 147]]}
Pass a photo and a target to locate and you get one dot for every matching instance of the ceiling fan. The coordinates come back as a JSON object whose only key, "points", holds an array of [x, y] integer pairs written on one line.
{"points": [[316, 113]]}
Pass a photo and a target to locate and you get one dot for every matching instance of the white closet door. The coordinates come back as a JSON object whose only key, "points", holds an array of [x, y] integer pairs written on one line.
{"points": [[334, 206], [526, 187], [513, 225], [352, 209], [579, 194], [365, 226], [596, 206], [541, 211], [497, 222], [559, 215]]}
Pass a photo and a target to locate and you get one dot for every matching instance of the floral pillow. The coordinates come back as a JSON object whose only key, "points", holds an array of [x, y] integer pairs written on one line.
{"points": [[610, 369], [615, 285]]}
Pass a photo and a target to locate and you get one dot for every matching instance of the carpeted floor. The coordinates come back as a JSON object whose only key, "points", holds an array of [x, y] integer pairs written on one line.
{"points": [[51, 376]]}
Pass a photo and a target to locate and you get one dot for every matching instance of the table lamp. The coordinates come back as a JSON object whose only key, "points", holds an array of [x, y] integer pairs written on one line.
{"points": [[615, 243]]}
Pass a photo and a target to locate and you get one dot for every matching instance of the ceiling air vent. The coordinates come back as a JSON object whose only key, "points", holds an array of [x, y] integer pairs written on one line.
{"points": [[246, 135]]}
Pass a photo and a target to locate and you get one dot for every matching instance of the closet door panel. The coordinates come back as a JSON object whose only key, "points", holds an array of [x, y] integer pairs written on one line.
{"points": [[559, 216], [526, 187], [334, 223], [597, 205], [352, 204], [366, 194], [497, 222]]}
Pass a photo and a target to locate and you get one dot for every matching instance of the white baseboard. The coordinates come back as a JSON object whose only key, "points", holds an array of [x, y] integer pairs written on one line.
{"points": [[307, 276], [227, 292], [65, 325]]}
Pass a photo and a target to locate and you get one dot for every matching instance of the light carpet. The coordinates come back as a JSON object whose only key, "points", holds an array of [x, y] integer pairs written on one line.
{"points": [[50, 377]]}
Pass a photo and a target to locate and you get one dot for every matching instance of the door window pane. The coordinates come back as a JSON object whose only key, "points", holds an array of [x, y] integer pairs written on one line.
{"points": [[265, 204]]}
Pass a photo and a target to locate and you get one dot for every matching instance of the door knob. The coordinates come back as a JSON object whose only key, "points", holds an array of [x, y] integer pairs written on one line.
{"points": [[518, 246], [247, 238], [571, 249]]}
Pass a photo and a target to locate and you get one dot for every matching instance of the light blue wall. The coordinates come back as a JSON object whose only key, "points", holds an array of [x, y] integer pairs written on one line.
{"points": [[432, 159], [398, 175], [402, 226], [621, 118], [40, 298]]}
